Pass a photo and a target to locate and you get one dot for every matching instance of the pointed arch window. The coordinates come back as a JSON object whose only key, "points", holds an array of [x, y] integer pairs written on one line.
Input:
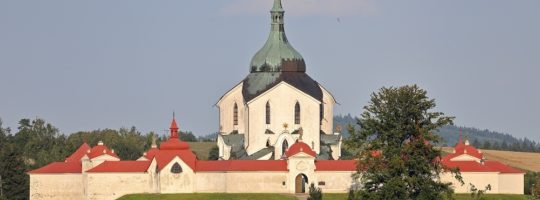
{"points": [[284, 147], [176, 169], [297, 113], [235, 114], [267, 112]]}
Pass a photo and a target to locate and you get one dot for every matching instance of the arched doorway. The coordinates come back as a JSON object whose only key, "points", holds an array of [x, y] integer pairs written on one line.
{"points": [[300, 183]]}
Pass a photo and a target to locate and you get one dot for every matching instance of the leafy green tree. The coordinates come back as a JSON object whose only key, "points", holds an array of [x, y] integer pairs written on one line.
{"points": [[396, 158], [13, 172], [188, 137], [476, 143], [486, 145], [315, 193]]}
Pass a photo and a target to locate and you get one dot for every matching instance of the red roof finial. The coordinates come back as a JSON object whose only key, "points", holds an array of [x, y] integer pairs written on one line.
{"points": [[174, 128]]}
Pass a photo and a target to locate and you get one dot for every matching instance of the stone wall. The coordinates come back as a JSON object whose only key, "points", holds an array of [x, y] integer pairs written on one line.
{"points": [[105, 186], [56, 186], [511, 184], [334, 182], [479, 179]]}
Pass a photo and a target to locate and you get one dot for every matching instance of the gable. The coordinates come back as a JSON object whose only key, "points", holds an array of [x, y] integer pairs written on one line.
{"points": [[230, 92], [465, 157]]}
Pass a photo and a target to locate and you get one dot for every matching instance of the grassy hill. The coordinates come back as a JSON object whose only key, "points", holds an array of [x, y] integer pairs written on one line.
{"points": [[522, 160], [202, 149]]}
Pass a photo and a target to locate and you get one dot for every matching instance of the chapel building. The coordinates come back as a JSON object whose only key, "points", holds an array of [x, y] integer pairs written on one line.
{"points": [[276, 104]]}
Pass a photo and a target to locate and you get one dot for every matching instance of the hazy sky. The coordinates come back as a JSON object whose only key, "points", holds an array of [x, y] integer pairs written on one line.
{"points": [[84, 65]]}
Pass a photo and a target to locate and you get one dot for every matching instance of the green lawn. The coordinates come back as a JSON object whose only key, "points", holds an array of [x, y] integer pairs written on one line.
{"points": [[457, 196], [493, 197], [208, 196], [222, 196]]}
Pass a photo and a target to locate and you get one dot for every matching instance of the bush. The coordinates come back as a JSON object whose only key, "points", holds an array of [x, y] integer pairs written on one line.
{"points": [[314, 193]]}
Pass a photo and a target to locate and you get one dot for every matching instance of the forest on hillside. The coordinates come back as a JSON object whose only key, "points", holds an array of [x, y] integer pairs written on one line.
{"points": [[480, 138]]}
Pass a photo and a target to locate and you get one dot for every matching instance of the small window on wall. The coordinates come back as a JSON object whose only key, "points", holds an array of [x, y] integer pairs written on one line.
{"points": [[235, 114], [297, 113], [176, 169], [267, 112]]}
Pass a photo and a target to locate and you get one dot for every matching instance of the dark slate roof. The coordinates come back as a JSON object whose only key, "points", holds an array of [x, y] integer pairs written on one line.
{"points": [[236, 141], [259, 82], [260, 153], [330, 139], [326, 153]]}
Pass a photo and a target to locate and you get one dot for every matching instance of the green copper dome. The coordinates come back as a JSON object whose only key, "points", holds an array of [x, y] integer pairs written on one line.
{"points": [[277, 55]]}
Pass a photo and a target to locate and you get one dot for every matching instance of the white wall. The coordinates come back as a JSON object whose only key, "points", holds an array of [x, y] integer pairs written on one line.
{"points": [[104, 186], [479, 179], [511, 184], [282, 98], [335, 182], [56, 186]]}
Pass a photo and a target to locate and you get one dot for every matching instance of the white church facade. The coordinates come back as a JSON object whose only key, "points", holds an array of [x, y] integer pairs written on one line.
{"points": [[276, 136]]}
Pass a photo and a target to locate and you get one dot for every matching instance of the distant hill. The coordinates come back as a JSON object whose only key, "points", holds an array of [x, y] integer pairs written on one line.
{"points": [[485, 139]]}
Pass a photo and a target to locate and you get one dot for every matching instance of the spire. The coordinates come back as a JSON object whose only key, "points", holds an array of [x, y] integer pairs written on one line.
{"points": [[277, 6], [277, 55], [174, 128]]}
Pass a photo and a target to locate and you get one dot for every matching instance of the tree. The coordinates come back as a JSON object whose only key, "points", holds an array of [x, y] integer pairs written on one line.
{"points": [[396, 159], [315, 193], [214, 153], [13, 172], [476, 143], [486, 145]]}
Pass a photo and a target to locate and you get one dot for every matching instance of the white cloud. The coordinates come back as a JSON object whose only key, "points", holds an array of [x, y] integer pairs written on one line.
{"points": [[303, 7]]}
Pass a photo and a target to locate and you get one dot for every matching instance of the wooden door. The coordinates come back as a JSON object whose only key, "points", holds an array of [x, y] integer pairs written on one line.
{"points": [[299, 183]]}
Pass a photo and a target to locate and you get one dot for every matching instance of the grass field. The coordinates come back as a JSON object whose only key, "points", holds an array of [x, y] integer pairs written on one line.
{"points": [[210, 196], [457, 196], [522, 160], [201, 149]]}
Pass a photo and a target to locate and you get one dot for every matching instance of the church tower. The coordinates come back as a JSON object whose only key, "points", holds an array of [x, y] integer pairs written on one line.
{"points": [[276, 104]]}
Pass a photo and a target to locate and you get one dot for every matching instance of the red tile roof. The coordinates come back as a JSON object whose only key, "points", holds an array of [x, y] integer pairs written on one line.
{"points": [[473, 165], [488, 166], [79, 153], [100, 150], [298, 147], [462, 148], [174, 144], [242, 165], [122, 166], [151, 153], [335, 165], [59, 167]]}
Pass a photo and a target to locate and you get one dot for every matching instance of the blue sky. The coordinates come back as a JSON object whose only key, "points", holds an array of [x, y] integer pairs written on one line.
{"points": [[85, 65]]}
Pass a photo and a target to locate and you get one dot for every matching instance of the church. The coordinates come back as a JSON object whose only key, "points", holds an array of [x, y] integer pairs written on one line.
{"points": [[275, 104], [276, 136]]}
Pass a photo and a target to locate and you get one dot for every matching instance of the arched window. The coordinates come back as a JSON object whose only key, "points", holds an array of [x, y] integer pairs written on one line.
{"points": [[297, 113], [284, 147], [176, 169], [235, 114], [267, 112]]}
